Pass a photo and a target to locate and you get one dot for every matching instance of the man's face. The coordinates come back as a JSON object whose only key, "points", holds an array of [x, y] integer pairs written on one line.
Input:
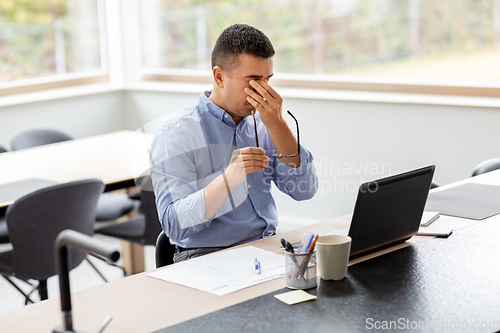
{"points": [[248, 68]]}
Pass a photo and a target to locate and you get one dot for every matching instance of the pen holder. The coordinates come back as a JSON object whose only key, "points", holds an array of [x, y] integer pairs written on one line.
{"points": [[300, 269]]}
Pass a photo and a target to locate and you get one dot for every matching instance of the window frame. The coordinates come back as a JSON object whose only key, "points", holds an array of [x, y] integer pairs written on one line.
{"points": [[325, 82], [57, 81], [53, 82]]}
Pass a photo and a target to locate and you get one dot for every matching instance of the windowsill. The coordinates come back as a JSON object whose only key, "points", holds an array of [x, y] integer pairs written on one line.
{"points": [[55, 94], [174, 87], [291, 93], [336, 95], [392, 98]]}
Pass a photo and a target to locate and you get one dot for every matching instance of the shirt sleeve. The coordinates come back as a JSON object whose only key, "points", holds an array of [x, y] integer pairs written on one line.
{"points": [[299, 183], [179, 197]]}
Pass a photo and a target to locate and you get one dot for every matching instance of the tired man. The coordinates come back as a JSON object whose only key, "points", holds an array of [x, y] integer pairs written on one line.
{"points": [[212, 164]]}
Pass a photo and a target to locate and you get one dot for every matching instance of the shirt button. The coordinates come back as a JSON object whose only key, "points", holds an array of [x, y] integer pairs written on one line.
{"points": [[249, 186], [258, 212], [225, 116]]}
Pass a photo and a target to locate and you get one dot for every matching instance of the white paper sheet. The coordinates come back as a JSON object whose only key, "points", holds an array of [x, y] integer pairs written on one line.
{"points": [[222, 273]]}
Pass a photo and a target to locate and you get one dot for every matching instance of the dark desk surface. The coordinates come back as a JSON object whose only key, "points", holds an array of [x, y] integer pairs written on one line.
{"points": [[438, 282]]}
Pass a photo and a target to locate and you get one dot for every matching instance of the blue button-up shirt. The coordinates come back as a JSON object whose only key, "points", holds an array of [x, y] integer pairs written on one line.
{"points": [[193, 147]]}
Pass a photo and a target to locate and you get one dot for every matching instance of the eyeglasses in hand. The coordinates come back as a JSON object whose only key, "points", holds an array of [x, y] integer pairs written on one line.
{"points": [[279, 155]]}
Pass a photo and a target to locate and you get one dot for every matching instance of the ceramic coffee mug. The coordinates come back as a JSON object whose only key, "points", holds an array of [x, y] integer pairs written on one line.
{"points": [[332, 253]]}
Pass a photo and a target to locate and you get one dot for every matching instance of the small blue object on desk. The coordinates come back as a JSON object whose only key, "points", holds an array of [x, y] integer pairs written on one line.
{"points": [[257, 266]]}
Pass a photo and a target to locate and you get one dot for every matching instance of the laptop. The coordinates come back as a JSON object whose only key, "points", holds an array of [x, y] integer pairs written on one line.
{"points": [[388, 211]]}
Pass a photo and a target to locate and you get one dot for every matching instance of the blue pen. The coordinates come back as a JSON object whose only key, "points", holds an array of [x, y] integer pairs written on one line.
{"points": [[257, 266]]}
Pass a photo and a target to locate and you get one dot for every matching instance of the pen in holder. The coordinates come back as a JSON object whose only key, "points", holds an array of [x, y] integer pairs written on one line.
{"points": [[300, 269]]}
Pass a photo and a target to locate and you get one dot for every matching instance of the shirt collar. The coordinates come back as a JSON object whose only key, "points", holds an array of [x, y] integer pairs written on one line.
{"points": [[216, 111]]}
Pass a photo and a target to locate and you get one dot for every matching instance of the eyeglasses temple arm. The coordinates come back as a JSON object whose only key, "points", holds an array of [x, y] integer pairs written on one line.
{"points": [[297, 124], [255, 126]]}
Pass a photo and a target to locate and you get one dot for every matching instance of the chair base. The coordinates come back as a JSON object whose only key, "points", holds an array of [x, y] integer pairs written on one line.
{"points": [[41, 287], [42, 290], [107, 262], [28, 299]]}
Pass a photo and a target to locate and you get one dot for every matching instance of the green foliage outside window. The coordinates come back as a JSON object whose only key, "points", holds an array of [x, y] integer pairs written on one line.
{"points": [[41, 38], [445, 39], [327, 36]]}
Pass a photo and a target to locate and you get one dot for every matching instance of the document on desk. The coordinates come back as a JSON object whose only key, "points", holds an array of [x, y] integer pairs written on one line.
{"points": [[224, 272]]}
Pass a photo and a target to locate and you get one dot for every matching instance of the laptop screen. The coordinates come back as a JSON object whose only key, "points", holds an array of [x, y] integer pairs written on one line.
{"points": [[388, 210]]}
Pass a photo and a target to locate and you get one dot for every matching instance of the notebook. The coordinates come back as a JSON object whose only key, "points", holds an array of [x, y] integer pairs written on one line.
{"points": [[388, 211], [470, 201], [428, 217]]}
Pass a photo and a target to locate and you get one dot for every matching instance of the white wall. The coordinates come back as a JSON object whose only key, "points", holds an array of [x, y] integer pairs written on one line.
{"points": [[80, 116], [352, 142]]}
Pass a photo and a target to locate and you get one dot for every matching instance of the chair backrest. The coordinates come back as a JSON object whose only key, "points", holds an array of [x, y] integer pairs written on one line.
{"points": [[164, 252], [35, 220], [148, 204], [33, 137], [486, 166]]}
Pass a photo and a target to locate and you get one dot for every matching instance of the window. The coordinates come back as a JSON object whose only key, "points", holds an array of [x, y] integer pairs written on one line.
{"points": [[50, 38], [432, 41], [422, 46]]}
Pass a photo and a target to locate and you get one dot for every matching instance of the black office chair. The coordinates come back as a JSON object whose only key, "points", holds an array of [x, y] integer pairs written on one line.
{"points": [[164, 252], [142, 229], [110, 206], [4, 233], [486, 166], [35, 220], [37, 136]]}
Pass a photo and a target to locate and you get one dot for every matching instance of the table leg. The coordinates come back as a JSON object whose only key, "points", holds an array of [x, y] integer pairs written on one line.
{"points": [[132, 253], [132, 257]]}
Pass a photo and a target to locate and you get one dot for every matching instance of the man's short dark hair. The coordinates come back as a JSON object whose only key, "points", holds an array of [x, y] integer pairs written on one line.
{"points": [[238, 39]]}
